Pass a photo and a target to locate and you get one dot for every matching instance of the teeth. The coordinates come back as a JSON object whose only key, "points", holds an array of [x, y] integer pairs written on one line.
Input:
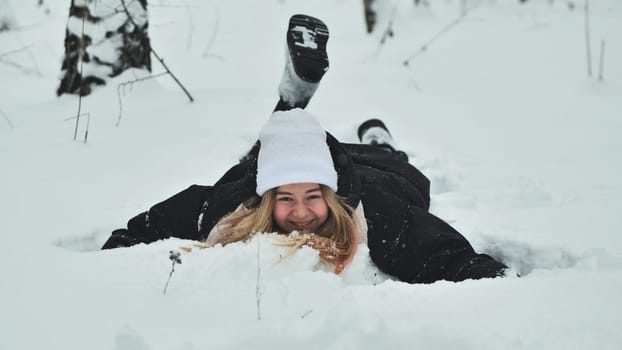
{"points": [[303, 224]]}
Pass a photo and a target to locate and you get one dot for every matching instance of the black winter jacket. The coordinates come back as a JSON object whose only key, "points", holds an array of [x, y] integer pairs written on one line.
{"points": [[404, 239]]}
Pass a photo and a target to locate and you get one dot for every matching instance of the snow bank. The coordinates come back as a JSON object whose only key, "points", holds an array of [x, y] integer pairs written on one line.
{"points": [[521, 146]]}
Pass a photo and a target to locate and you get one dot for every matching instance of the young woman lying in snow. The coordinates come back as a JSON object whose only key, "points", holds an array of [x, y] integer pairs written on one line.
{"points": [[298, 180]]}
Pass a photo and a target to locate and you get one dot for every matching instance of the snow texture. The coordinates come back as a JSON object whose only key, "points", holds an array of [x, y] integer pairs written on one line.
{"points": [[521, 145]]}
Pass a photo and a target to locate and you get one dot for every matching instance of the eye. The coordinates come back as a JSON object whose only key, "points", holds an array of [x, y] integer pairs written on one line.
{"points": [[284, 199], [314, 196]]}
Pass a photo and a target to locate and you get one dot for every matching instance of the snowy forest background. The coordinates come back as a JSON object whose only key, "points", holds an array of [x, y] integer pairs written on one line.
{"points": [[521, 144]]}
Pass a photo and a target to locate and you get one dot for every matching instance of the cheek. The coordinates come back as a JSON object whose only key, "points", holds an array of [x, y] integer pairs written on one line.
{"points": [[280, 214], [321, 211]]}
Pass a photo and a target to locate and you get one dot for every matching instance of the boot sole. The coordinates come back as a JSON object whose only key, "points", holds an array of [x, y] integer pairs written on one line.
{"points": [[306, 41]]}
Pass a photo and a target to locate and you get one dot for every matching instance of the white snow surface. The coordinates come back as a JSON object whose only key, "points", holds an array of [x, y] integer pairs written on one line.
{"points": [[521, 145]]}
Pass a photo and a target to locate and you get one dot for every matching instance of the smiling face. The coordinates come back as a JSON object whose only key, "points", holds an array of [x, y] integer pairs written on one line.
{"points": [[300, 207]]}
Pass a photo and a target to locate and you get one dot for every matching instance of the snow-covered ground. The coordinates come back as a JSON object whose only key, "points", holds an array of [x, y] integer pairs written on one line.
{"points": [[522, 148]]}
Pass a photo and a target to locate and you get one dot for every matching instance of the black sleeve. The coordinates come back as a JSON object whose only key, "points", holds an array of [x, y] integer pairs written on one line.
{"points": [[391, 171], [417, 247], [175, 217]]}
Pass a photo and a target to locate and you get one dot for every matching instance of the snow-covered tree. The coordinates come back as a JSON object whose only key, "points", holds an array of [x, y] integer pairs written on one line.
{"points": [[103, 38]]}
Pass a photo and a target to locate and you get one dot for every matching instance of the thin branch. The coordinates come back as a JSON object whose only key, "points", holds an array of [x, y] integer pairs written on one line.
{"points": [[6, 117], [172, 75], [131, 83], [33, 59], [415, 84], [169, 278], [173, 6], [175, 257], [463, 6], [213, 37], [8, 53], [81, 56], [444, 30], [190, 27], [24, 27], [18, 66], [388, 33], [601, 66], [74, 117], [129, 16], [588, 45], [88, 122]]}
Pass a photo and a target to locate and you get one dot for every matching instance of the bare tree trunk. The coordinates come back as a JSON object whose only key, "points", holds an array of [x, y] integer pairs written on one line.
{"points": [[103, 38]]}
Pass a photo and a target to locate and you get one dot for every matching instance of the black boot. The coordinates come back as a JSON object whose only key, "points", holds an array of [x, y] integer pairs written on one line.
{"points": [[374, 132], [306, 61]]}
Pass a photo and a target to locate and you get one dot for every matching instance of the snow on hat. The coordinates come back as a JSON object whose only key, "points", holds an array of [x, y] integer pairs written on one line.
{"points": [[293, 150]]}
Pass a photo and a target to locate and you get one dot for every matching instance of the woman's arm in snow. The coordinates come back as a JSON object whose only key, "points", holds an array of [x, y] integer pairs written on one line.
{"points": [[174, 217], [417, 247]]}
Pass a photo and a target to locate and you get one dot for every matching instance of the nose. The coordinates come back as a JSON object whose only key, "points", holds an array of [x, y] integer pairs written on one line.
{"points": [[300, 210]]}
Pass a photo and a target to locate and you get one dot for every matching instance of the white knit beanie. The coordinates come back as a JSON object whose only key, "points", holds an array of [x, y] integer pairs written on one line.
{"points": [[293, 150]]}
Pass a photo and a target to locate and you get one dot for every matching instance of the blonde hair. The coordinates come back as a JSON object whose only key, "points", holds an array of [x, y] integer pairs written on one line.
{"points": [[335, 241]]}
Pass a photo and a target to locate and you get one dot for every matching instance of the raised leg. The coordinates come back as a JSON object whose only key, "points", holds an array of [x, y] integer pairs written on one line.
{"points": [[306, 61]]}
